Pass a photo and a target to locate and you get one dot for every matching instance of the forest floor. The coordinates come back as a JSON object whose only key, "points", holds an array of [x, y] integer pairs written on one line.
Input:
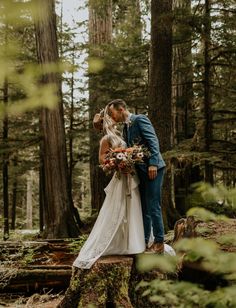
{"points": [[50, 261], [34, 301], [59, 255]]}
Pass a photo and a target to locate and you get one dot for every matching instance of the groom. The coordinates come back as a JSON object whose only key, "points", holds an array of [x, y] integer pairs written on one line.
{"points": [[139, 130]]}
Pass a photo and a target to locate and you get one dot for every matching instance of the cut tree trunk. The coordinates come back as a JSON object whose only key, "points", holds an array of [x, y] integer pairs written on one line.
{"points": [[106, 282], [111, 282]]}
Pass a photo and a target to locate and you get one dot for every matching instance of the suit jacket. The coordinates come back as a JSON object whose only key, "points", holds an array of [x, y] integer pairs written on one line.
{"points": [[141, 132]]}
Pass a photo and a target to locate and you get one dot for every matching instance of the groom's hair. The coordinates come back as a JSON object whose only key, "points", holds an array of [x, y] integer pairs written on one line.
{"points": [[117, 103]]}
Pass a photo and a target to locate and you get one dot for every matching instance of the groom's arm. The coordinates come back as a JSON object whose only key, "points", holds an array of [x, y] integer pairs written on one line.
{"points": [[150, 138]]}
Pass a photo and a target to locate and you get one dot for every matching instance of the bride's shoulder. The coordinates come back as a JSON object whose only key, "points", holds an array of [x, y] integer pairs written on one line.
{"points": [[112, 142], [105, 140]]}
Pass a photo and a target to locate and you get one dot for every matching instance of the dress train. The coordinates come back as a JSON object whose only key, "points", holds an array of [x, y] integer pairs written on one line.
{"points": [[119, 226]]}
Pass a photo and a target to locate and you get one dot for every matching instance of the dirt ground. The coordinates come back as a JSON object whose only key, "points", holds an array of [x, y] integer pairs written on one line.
{"points": [[34, 301]]}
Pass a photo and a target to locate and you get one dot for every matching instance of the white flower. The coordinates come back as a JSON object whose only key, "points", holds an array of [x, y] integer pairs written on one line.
{"points": [[140, 155], [120, 156]]}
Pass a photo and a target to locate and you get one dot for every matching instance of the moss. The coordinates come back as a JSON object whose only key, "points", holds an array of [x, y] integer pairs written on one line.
{"points": [[103, 283], [110, 283]]}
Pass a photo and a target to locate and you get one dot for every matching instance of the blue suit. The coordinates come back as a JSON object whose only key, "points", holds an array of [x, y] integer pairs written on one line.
{"points": [[141, 131]]}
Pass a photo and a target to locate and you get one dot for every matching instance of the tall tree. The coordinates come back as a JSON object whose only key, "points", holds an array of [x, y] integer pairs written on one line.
{"points": [[160, 87], [57, 200], [129, 55], [5, 162], [182, 94], [14, 194], [182, 81], [29, 203], [207, 90], [100, 34], [160, 109]]}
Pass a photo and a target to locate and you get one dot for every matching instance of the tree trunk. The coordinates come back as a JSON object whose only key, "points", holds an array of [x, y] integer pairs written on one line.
{"points": [[14, 195], [100, 33], [182, 89], [160, 104], [209, 170], [5, 165], [58, 206], [169, 210], [111, 282], [71, 130], [35, 279], [41, 188], [207, 77], [160, 108], [29, 203], [107, 282]]}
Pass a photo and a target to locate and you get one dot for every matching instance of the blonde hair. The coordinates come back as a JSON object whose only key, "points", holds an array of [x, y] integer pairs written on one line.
{"points": [[113, 134]]}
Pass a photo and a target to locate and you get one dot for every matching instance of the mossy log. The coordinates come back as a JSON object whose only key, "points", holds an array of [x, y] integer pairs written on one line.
{"points": [[211, 230]]}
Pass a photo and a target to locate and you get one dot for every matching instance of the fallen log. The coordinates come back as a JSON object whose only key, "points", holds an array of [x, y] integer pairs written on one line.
{"points": [[33, 279], [212, 230], [37, 252]]}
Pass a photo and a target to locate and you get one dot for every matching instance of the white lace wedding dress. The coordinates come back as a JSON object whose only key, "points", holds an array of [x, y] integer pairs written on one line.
{"points": [[119, 226]]}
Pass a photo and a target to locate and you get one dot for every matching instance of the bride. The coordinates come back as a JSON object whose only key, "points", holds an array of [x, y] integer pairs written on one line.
{"points": [[118, 229]]}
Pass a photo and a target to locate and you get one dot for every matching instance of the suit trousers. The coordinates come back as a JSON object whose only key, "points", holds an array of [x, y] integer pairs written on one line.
{"points": [[150, 193]]}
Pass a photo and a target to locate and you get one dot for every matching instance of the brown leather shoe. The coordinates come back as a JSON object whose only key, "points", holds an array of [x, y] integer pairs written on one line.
{"points": [[157, 248]]}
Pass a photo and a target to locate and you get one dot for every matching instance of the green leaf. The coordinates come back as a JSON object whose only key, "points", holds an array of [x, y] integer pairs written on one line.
{"points": [[205, 215], [163, 263]]}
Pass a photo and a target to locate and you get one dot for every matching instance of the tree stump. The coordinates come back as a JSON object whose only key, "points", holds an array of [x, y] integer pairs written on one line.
{"points": [[105, 284]]}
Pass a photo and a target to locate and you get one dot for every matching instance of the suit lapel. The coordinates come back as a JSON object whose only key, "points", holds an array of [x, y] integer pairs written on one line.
{"points": [[130, 129], [125, 133]]}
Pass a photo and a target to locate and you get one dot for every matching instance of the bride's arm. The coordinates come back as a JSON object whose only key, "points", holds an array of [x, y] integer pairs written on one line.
{"points": [[103, 150]]}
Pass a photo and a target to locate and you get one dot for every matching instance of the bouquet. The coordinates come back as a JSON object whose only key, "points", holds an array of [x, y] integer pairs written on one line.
{"points": [[123, 160]]}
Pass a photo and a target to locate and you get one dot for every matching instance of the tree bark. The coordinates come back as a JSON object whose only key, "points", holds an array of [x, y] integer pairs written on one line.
{"points": [[29, 201], [160, 107], [160, 103], [107, 282], [100, 33], [5, 165], [34, 279], [14, 195], [41, 187], [111, 282], [207, 76], [207, 90], [182, 89], [71, 130], [57, 200]]}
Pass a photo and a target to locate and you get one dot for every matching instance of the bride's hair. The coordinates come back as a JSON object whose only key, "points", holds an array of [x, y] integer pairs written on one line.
{"points": [[110, 130]]}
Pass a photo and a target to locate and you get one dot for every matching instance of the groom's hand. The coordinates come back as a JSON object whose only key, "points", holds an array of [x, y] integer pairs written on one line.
{"points": [[152, 172]]}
